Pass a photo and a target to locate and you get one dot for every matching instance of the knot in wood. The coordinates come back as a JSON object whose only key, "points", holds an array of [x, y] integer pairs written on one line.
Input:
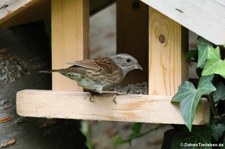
{"points": [[162, 38]]}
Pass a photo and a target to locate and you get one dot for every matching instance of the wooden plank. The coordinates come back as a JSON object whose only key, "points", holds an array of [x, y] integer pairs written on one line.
{"points": [[132, 35], [26, 11], [97, 5], [23, 11], [168, 44], [70, 23], [204, 17], [132, 108]]}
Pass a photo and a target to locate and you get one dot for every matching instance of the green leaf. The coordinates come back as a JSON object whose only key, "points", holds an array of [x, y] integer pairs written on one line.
{"points": [[203, 46], [118, 140], [214, 65], [193, 140], [189, 97], [224, 143], [136, 129], [217, 130], [192, 55], [219, 94]]}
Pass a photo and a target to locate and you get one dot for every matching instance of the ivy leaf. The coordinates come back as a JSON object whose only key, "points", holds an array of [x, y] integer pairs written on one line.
{"points": [[199, 135], [203, 46], [192, 55], [189, 97], [219, 94], [214, 65], [217, 130]]}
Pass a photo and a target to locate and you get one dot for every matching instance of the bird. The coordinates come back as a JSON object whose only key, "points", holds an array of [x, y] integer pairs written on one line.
{"points": [[99, 75]]}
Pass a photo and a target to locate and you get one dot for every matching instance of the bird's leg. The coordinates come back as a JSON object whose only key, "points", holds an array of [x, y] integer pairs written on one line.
{"points": [[114, 98], [115, 93], [92, 96]]}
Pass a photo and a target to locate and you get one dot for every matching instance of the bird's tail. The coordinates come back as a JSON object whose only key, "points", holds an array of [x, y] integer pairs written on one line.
{"points": [[50, 71]]}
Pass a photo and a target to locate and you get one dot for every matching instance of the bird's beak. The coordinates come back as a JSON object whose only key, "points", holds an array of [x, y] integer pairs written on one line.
{"points": [[138, 66]]}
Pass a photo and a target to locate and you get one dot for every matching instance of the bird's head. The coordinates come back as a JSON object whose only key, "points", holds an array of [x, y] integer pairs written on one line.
{"points": [[126, 62]]}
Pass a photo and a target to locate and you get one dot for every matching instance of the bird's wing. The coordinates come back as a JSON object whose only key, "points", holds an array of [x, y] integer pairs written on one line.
{"points": [[106, 64], [89, 64], [98, 64]]}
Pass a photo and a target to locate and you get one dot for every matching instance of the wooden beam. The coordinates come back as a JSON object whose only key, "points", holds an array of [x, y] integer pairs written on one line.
{"points": [[23, 11], [97, 5], [19, 12], [132, 108], [198, 16], [70, 23], [132, 35], [168, 44]]}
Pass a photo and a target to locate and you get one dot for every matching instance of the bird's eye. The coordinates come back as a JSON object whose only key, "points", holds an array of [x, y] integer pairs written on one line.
{"points": [[128, 60]]}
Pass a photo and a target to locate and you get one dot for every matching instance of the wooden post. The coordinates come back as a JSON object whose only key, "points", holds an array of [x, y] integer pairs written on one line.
{"points": [[167, 49], [69, 38], [132, 35]]}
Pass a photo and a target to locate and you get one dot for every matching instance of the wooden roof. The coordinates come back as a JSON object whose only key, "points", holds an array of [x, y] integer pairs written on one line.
{"points": [[14, 12], [204, 17]]}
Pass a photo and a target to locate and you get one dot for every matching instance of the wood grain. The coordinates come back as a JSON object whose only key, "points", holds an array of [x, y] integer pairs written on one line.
{"points": [[23, 11], [131, 108], [70, 42], [167, 49], [132, 35], [204, 17]]}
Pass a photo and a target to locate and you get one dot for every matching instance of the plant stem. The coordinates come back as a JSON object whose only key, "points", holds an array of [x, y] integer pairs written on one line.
{"points": [[142, 134], [213, 108]]}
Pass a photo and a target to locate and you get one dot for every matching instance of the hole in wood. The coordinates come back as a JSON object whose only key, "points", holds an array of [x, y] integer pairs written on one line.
{"points": [[136, 5]]}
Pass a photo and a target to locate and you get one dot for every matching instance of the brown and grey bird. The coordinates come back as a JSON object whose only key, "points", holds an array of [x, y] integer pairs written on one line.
{"points": [[100, 74]]}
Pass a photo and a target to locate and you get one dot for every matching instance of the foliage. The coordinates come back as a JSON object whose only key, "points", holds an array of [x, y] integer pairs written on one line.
{"points": [[185, 139], [203, 46], [217, 130], [214, 64], [189, 97], [211, 86], [219, 94]]}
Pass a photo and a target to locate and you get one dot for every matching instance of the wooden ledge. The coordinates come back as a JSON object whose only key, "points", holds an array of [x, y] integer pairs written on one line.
{"points": [[132, 108]]}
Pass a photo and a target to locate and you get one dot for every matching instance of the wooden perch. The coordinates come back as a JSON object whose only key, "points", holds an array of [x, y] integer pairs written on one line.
{"points": [[132, 108]]}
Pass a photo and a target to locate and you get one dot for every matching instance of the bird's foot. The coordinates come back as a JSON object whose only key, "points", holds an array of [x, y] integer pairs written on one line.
{"points": [[115, 93], [92, 98], [114, 98]]}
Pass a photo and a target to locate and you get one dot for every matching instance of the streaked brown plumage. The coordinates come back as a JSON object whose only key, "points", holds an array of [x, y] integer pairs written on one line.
{"points": [[100, 74]]}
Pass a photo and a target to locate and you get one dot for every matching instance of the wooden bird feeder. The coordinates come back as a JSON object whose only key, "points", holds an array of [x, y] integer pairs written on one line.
{"points": [[153, 31]]}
